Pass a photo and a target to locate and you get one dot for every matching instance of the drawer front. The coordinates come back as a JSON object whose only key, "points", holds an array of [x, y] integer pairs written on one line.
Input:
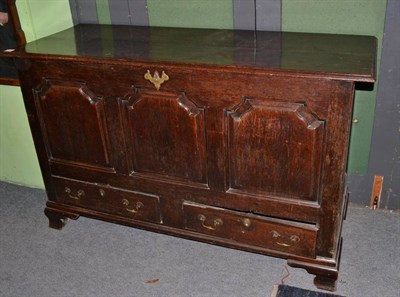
{"points": [[129, 204], [294, 238], [75, 193]]}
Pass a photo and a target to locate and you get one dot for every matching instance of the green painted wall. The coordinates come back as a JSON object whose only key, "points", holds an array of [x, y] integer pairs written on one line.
{"points": [[18, 162], [362, 17], [40, 18], [103, 11], [191, 13]]}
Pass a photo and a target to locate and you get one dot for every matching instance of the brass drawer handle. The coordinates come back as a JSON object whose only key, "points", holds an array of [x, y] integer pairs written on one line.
{"points": [[79, 195], [216, 223], [135, 209], [285, 242], [156, 79]]}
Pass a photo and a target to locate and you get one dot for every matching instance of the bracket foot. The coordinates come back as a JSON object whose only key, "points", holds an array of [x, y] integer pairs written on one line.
{"points": [[58, 218]]}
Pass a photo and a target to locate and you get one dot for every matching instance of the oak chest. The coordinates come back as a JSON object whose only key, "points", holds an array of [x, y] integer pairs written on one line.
{"points": [[236, 138]]}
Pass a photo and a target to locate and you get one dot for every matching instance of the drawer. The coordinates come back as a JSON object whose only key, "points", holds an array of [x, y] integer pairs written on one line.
{"points": [[130, 204], [104, 198], [75, 193], [283, 236]]}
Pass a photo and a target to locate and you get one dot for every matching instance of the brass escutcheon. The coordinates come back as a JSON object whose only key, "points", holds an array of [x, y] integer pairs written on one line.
{"points": [[156, 79]]}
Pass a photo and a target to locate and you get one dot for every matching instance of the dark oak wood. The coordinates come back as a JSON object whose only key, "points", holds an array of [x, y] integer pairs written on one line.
{"points": [[294, 238], [258, 140], [148, 117], [72, 108], [57, 218], [235, 141]]}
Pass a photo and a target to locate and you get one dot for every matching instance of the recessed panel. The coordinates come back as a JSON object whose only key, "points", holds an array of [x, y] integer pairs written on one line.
{"points": [[165, 135], [274, 148], [73, 123]]}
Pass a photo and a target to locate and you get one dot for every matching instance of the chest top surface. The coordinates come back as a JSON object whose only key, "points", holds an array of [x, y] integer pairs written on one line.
{"points": [[346, 57]]}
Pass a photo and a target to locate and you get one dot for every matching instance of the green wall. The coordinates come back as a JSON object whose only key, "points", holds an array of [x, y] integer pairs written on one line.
{"points": [[18, 161], [39, 18], [362, 17], [191, 13]]}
